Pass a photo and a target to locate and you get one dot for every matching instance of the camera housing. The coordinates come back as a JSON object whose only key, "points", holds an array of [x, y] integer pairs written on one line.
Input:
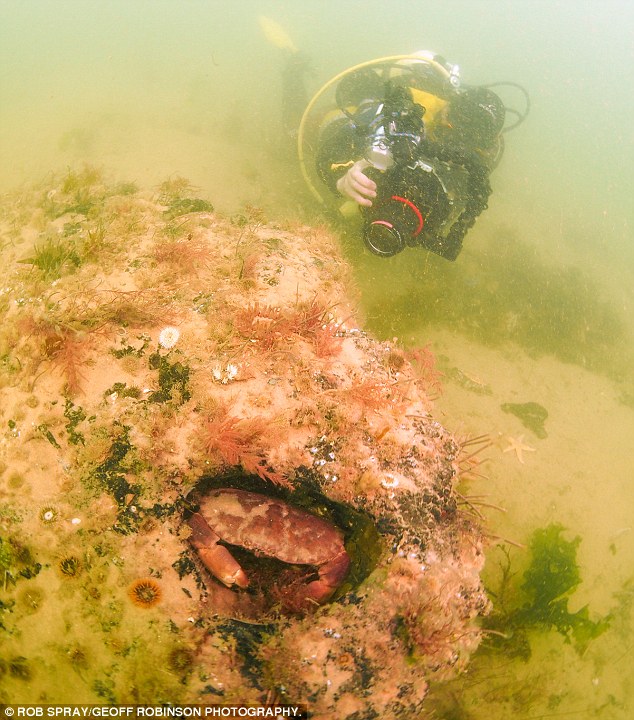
{"points": [[421, 198], [420, 205]]}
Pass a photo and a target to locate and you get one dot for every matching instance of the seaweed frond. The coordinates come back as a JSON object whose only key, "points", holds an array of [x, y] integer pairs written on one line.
{"points": [[424, 363], [235, 441], [187, 255]]}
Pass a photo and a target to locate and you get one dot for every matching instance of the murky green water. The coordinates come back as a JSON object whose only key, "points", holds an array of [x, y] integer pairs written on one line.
{"points": [[538, 308]]}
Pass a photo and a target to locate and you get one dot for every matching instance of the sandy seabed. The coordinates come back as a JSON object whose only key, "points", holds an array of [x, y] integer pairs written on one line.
{"points": [[577, 477]]}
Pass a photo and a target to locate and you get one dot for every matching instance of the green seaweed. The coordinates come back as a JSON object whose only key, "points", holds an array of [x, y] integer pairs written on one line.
{"points": [[247, 638], [19, 668], [504, 292], [532, 415], [125, 188], [110, 475], [48, 435], [127, 350], [540, 601], [54, 257], [183, 206], [81, 190], [184, 565], [74, 417], [122, 390], [173, 379], [175, 188], [71, 229], [6, 606], [16, 561], [105, 690]]}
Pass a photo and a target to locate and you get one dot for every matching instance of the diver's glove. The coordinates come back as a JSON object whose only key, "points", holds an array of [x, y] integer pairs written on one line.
{"points": [[356, 185]]}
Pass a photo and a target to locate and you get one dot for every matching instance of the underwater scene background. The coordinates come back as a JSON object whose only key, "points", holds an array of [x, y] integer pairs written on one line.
{"points": [[532, 327]]}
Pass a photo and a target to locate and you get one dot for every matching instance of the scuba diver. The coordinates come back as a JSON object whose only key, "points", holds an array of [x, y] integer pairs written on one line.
{"points": [[410, 145]]}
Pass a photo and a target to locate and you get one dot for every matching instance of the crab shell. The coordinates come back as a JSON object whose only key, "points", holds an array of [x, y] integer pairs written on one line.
{"points": [[271, 527]]}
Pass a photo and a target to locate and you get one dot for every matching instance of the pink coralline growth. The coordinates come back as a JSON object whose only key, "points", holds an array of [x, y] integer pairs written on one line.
{"points": [[350, 431], [273, 387]]}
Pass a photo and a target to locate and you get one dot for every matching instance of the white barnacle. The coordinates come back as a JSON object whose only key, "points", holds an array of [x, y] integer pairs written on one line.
{"points": [[232, 371], [216, 374], [168, 337]]}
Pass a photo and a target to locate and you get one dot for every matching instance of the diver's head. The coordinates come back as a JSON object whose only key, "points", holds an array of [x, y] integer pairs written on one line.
{"points": [[359, 86]]}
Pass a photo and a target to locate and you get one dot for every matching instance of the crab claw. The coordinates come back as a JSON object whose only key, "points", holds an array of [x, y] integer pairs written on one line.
{"points": [[216, 558], [331, 575]]}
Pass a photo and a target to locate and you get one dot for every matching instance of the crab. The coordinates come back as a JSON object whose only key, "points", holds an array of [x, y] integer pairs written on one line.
{"points": [[269, 527]]}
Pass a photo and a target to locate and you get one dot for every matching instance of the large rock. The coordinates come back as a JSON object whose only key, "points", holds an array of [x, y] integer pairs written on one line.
{"points": [[153, 350]]}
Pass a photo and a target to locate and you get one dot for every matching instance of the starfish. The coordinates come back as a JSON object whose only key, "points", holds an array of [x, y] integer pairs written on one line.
{"points": [[517, 445]]}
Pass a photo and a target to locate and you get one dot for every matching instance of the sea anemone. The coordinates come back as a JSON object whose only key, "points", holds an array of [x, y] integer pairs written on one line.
{"points": [[70, 566], [77, 657], [145, 592], [180, 659], [345, 661], [20, 668], [168, 337], [49, 514], [93, 592]]}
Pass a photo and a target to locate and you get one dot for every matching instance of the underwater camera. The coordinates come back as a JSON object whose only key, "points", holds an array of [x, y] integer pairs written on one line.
{"points": [[419, 199], [420, 205]]}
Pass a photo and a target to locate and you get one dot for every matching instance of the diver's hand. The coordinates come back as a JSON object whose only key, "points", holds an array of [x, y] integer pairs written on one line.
{"points": [[357, 186]]}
